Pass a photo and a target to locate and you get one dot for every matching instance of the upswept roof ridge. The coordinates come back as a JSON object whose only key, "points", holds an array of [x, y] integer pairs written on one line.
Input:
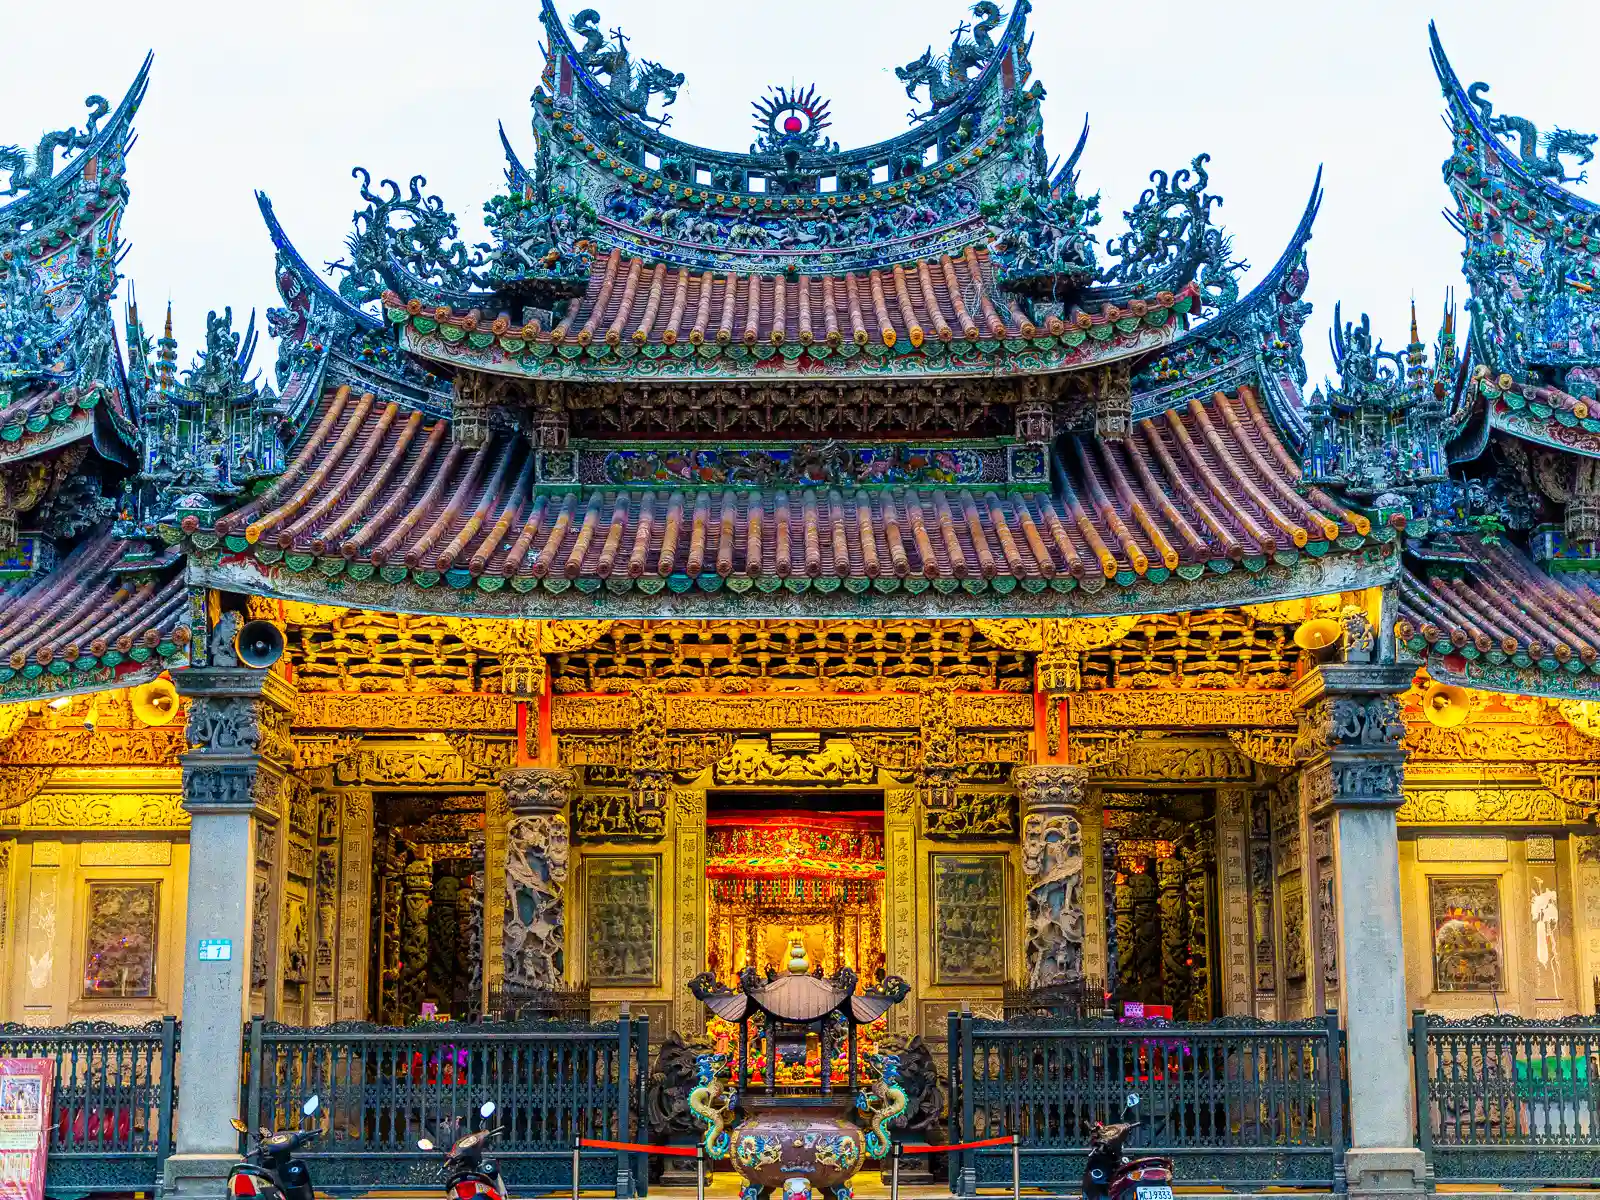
{"points": [[1532, 259]]}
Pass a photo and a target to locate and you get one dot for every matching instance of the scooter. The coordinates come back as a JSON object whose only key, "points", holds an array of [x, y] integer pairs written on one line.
{"points": [[1111, 1174], [271, 1171], [467, 1174]]}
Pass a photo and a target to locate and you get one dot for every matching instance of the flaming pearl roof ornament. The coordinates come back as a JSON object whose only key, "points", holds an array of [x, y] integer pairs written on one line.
{"points": [[789, 120]]}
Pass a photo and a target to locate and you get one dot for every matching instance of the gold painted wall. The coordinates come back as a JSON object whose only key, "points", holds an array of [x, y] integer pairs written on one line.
{"points": [[76, 835]]}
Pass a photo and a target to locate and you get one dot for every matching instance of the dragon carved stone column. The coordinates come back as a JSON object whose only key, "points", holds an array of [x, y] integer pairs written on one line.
{"points": [[1052, 859], [235, 780], [537, 846], [1352, 737]]}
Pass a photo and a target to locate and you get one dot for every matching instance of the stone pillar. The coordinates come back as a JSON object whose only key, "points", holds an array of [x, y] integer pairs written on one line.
{"points": [[534, 935], [355, 902], [1233, 887], [1052, 859], [1353, 737], [689, 906], [233, 786], [1092, 822]]}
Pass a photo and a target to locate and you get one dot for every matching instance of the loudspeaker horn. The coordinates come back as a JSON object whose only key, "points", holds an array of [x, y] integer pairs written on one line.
{"points": [[1321, 636], [1445, 704], [156, 702], [260, 644]]}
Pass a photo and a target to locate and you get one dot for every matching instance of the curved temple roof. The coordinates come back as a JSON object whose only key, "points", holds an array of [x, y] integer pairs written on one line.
{"points": [[1532, 259]]}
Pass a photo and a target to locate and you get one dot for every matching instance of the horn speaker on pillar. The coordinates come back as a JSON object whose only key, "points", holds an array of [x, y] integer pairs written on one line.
{"points": [[156, 702], [1321, 636], [260, 644], [1445, 705]]}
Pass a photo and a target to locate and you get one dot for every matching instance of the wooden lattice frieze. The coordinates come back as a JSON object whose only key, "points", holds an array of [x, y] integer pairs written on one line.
{"points": [[836, 655]]}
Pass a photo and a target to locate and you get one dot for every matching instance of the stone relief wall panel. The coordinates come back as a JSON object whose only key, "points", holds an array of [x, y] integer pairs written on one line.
{"points": [[969, 911], [622, 908]]}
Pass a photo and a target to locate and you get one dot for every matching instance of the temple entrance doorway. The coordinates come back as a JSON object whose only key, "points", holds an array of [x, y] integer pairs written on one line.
{"points": [[1160, 901], [795, 874], [427, 899]]}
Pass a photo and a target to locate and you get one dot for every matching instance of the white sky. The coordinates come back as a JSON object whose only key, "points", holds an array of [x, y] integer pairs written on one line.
{"points": [[288, 97]]}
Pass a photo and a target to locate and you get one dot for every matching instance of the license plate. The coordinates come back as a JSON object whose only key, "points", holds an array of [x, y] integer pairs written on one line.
{"points": [[1154, 1193]]}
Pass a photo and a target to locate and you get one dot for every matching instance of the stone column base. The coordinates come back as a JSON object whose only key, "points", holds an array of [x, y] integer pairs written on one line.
{"points": [[198, 1175], [1384, 1171]]}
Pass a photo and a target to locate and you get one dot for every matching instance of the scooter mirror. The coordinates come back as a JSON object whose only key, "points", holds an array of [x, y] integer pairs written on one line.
{"points": [[1133, 1099], [239, 1125], [424, 1143], [313, 1102], [487, 1110]]}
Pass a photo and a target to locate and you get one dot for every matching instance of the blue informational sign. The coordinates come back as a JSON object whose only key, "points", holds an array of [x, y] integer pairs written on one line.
{"points": [[216, 950]]}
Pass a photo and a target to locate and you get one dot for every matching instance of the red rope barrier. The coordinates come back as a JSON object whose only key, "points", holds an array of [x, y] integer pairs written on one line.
{"points": [[1009, 1139], [636, 1148]]}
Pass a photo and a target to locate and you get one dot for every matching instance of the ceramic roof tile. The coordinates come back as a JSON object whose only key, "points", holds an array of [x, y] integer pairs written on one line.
{"points": [[373, 485], [93, 621]]}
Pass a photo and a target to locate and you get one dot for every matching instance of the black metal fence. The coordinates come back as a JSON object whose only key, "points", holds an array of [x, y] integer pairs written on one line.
{"points": [[384, 1087], [115, 1093], [1502, 1099], [1236, 1103]]}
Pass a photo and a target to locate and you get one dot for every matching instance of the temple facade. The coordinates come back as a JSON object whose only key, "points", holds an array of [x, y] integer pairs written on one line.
{"points": [[851, 550]]}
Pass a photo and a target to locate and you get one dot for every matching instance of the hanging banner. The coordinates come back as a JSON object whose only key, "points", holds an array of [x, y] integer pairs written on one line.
{"points": [[25, 1089]]}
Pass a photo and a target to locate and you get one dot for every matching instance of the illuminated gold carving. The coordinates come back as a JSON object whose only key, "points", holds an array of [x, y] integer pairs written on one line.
{"points": [[424, 764], [1582, 715], [974, 815], [1468, 806], [601, 750], [103, 810], [1270, 749], [689, 916], [426, 713], [1496, 742], [1100, 750], [1189, 651], [1171, 710], [755, 656], [1178, 763], [316, 754], [20, 784], [1578, 786], [757, 763], [760, 714], [11, 718]]}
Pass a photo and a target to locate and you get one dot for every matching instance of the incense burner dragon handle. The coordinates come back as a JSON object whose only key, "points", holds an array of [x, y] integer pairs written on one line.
{"points": [[881, 1101], [712, 1103]]}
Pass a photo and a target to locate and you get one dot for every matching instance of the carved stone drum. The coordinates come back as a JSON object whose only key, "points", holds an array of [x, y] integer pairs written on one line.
{"points": [[796, 1148]]}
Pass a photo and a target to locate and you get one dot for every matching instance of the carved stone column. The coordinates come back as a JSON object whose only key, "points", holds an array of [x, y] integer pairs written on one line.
{"points": [[1052, 858], [689, 905], [233, 786], [534, 934], [1233, 888], [355, 901], [1352, 737]]}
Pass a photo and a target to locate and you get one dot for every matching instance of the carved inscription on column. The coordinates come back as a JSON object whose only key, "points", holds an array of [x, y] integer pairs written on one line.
{"points": [[689, 818], [355, 908], [900, 881], [1586, 876], [495, 818], [1092, 821], [1235, 948]]}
